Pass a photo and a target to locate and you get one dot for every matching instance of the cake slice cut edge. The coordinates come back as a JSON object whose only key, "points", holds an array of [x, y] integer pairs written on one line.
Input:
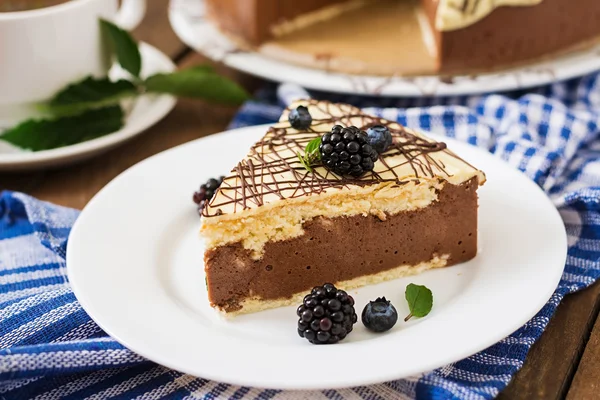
{"points": [[274, 230]]}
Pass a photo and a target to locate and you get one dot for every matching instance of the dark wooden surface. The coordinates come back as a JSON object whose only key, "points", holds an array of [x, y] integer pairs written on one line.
{"points": [[564, 363]]}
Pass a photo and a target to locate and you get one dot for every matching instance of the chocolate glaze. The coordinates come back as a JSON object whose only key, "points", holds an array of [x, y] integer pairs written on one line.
{"points": [[343, 248], [246, 187]]}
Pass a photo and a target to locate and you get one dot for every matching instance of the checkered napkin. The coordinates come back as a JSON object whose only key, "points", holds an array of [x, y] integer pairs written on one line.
{"points": [[50, 348]]}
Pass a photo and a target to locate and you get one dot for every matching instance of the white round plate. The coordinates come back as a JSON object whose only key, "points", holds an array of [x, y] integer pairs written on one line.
{"points": [[135, 263], [147, 110], [187, 19]]}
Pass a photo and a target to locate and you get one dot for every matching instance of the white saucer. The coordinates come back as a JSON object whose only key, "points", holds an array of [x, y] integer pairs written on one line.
{"points": [[137, 270], [187, 19], [147, 111]]}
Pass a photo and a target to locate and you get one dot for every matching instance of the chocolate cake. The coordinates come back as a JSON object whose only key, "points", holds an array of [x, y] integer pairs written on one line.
{"points": [[274, 229], [409, 36]]}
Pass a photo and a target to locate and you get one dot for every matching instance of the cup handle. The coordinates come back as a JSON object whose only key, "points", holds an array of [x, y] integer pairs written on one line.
{"points": [[131, 14]]}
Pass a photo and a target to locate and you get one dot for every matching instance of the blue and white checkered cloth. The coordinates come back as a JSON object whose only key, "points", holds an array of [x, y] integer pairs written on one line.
{"points": [[50, 348]]}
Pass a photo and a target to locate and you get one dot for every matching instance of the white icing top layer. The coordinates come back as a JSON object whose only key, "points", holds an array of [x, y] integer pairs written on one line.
{"points": [[272, 172], [456, 14]]}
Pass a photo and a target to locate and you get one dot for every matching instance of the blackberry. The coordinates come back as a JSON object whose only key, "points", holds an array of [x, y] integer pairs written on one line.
{"points": [[327, 315], [300, 118], [379, 315], [346, 151], [380, 138], [206, 192]]}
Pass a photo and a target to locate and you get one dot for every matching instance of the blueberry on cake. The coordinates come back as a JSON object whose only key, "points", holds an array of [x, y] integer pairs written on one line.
{"points": [[331, 194]]}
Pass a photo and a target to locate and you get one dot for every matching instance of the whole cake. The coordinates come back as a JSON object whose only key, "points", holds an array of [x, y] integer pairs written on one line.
{"points": [[409, 36], [277, 226]]}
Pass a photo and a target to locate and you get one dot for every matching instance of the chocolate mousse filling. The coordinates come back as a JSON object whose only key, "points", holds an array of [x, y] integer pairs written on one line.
{"points": [[343, 248]]}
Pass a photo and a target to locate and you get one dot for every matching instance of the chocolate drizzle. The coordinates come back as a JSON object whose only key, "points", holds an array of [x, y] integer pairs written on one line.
{"points": [[272, 167]]}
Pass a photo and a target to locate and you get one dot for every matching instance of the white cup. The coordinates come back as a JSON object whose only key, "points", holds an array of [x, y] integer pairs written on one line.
{"points": [[43, 50]]}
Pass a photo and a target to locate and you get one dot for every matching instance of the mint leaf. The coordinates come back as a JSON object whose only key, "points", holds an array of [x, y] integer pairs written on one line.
{"points": [[89, 93], [312, 148], [420, 301], [305, 162], [49, 134], [311, 154], [123, 46], [199, 82]]}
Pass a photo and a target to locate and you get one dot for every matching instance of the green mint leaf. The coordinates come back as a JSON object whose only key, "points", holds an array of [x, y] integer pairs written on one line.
{"points": [[305, 163], [311, 154], [89, 93], [312, 148], [198, 82], [123, 46], [49, 134], [420, 300]]}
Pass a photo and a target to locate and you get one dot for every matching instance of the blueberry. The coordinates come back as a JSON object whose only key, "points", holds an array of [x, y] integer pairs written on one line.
{"points": [[380, 138], [300, 118], [379, 315]]}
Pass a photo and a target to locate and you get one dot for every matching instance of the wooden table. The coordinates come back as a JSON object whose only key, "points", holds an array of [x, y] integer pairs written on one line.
{"points": [[565, 362]]}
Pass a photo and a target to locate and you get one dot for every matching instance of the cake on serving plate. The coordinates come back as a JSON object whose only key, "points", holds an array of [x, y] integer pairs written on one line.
{"points": [[277, 227], [390, 37]]}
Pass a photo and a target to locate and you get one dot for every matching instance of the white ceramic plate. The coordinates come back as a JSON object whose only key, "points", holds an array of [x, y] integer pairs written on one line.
{"points": [[186, 17], [147, 111], [135, 263]]}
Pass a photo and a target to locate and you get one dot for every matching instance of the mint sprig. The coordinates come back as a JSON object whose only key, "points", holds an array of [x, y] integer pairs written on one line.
{"points": [[311, 154], [90, 93], [199, 82], [46, 134], [91, 107], [124, 47], [420, 301]]}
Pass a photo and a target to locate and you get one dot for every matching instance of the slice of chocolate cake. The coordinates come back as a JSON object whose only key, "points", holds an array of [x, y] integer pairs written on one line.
{"points": [[275, 229]]}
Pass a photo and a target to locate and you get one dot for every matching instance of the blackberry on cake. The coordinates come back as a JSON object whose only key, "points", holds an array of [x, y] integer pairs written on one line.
{"points": [[346, 151], [206, 191], [275, 229]]}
